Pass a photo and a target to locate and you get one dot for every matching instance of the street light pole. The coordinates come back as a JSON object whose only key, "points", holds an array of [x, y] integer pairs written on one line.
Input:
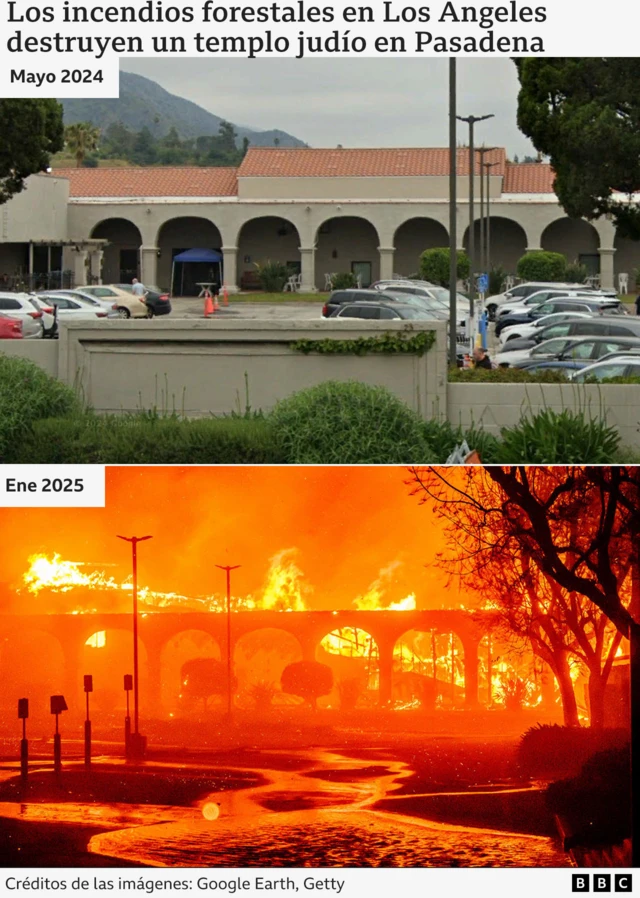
{"points": [[228, 568], [134, 540], [453, 249], [482, 151], [488, 166], [471, 121]]}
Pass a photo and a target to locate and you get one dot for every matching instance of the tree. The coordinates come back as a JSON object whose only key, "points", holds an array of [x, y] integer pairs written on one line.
{"points": [[203, 678], [307, 679], [32, 131], [228, 138], [144, 148], [81, 138], [583, 114], [573, 529], [434, 265]]}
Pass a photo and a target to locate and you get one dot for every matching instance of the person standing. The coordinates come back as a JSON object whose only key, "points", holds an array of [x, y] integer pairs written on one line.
{"points": [[138, 289], [481, 359]]}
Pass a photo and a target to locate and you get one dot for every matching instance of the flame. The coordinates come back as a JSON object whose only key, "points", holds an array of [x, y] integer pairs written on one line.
{"points": [[61, 576], [373, 598], [350, 642], [284, 588]]}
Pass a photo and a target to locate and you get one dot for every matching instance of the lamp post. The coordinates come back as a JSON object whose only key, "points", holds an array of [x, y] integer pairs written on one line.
{"points": [[487, 231], [228, 568], [471, 120], [453, 249], [137, 742], [482, 151]]}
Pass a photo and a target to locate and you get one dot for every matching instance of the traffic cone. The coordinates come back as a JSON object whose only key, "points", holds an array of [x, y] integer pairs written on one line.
{"points": [[225, 295], [216, 304], [208, 305]]}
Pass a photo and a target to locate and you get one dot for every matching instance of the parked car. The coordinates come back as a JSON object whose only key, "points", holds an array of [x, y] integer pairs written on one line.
{"points": [[599, 306], [106, 304], [339, 297], [570, 348], [566, 366], [10, 328], [20, 307], [519, 307], [524, 331], [48, 310], [382, 309], [127, 305], [520, 292], [595, 326], [158, 301], [72, 308], [625, 365]]}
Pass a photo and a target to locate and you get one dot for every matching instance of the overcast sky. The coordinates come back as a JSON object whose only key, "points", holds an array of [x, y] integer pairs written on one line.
{"points": [[353, 102]]}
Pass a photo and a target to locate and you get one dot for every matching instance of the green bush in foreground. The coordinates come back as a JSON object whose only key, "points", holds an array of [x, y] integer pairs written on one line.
{"points": [[146, 439], [505, 376], [349, 423], [563, 438], [443, 439], [28, 394]]}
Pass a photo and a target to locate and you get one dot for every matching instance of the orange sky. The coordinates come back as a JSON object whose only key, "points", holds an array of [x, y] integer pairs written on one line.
{"points": [[347, 524]]}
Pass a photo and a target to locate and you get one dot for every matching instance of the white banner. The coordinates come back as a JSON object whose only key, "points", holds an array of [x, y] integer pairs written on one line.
{"points": [[52, 486], [64, 48], [347, 882]]}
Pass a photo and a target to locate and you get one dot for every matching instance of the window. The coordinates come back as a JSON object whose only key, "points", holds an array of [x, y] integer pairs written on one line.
{"points": [[388, 313], [588, 327], [556, 330], [580, 350], [363, 271], [618, 330], [102, 291], [61, 303], [610, 346], [360, 312], [550, 347], [9, 304]]}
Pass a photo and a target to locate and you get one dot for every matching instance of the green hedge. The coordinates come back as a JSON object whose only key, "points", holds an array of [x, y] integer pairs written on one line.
{"points": [[349, 423], [542, 266], [505, 376], [434, 265], [28, 394], [145, 439]]}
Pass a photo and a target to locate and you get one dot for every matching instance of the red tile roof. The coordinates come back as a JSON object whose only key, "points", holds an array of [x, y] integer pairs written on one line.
{"points": [[270, 162], [149, 182], [528, 177]]}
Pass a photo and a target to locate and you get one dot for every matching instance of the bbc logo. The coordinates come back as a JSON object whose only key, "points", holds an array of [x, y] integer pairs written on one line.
{"points": [[581, 882]]}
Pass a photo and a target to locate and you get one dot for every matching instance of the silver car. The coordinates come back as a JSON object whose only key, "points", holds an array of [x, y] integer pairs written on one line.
{"points": [[20, 306]]}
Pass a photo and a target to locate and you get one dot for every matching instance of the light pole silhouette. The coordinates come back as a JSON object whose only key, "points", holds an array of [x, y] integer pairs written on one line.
{"points": [[228, 568], [453, 212], [137, 746], [471, 120]]}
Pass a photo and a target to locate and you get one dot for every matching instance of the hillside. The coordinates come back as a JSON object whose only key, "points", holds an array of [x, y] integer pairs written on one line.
{"points": [[142, 103]]}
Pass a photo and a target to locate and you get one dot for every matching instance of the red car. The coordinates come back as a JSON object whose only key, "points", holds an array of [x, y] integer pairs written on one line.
{"points": [[10, 328]]}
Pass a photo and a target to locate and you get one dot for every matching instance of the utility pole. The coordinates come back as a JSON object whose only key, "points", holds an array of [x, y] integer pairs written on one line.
{"points": [[453, 248], [228, 568], [482, 151], [488, 166], [138, 742], [471, 120]]}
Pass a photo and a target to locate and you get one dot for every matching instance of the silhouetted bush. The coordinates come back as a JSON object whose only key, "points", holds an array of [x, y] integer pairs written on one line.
{"points": [[348, 423], [308, 680], [551, 750], [595, 806], [28, 394]]}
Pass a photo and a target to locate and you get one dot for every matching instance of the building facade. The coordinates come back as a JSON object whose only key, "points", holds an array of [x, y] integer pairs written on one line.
{"points": [[321, 211]]}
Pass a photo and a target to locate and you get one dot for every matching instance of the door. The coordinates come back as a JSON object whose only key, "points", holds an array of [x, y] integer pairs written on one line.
{"points": [[362, 270]]}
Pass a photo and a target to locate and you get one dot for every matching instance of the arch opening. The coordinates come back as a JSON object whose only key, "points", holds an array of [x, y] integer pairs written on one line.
{"points": [[411, 239], [121, 259], [576, 239], [354, 659], [259, 659], [428, 670], [266, 239], [180, 234], [108, 655], [347, 245]]}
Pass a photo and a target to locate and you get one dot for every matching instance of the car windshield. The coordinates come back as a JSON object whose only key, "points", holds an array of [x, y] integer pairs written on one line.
{"points": [[417, 314], [443, 294]]}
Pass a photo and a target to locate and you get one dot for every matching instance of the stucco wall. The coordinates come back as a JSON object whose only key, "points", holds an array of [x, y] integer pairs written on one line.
{"points": [[427, 188], [42, 352], [199, 367], [38, 213], [493, 406]]}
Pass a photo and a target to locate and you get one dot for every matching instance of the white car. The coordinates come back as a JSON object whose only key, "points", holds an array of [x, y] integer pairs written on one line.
{"points": [[624, 365], [106, 304], [547, 349], [74, 309], [517, 331], [520, 293], [48, 314], [20, 306], [536, 299]]}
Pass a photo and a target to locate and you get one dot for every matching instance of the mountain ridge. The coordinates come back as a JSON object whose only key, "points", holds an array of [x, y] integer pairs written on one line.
{"points": [[144, 103]]}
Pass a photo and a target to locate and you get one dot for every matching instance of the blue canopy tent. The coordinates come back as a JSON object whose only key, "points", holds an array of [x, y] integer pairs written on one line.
{"points": [[209, 256]]}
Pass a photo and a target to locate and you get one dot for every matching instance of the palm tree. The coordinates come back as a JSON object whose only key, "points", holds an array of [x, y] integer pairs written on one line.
{"points": [[81, 138]]}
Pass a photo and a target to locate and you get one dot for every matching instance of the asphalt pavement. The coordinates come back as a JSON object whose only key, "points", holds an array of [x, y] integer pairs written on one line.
{"points": [[188, 307]]}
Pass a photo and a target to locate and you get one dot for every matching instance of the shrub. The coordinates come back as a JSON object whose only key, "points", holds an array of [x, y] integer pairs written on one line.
{"points": [[505, 376], [262, 694], [146, 439], [443, 438], [562, 438], [497, 277], [307, 679], [551, 750], [348, 423], [344, 280], [434, 265], [349, 691], [28, 394], [542, 266], [575, 273], [273, 275]]}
